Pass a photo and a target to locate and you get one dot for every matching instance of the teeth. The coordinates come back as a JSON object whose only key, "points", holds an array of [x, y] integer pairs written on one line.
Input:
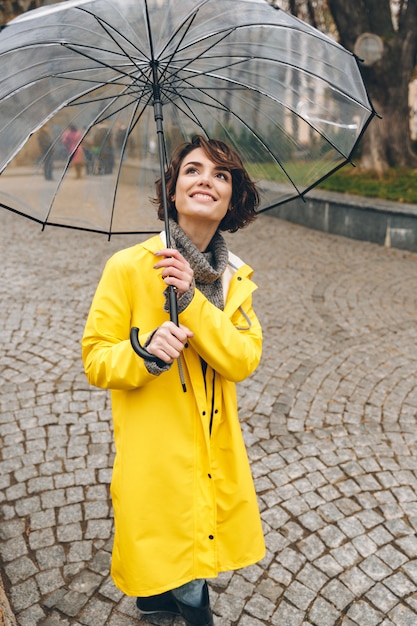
{"points": [[202, 195]]}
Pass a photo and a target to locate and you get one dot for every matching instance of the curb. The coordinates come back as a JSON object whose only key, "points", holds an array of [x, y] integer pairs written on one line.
{"points": [[386, 223]]}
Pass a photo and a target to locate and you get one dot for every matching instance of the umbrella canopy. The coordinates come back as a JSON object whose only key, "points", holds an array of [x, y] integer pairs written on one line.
{"points": [[96, 93]]}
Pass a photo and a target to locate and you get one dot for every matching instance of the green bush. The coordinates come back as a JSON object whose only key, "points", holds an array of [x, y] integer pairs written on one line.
{"points": [[398, 184]]}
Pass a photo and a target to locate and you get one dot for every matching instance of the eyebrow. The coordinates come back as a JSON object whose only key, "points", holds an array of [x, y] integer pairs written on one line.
{"points": [[221, 168]]}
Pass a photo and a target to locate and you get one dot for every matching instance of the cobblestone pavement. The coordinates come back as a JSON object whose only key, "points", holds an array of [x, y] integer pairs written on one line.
{"points": [[329, 419]]}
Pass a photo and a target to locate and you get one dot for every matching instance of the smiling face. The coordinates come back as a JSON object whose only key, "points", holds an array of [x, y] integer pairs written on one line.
{"points": [[203, 192]]}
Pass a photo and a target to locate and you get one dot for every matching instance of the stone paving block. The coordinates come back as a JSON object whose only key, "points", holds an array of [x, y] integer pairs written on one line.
{"points": [[13, 548], [400, 584], [392, 557], [95, 613], [110, 591], [69, 514], [362, 613], [32, 616], [48, 558], [364, 545], [312, 577], [375, 568], [229, 606], [69, 533], [71, 603], [323, 613], [328, 565], [287, 615], [299, 595], [79, 551], [408, 545], [269, 589], [291, 560], [403, 616], [330, 512], [20, 569], [382, 598], [332, 536], [41, 538], [357, 581], [312, 547], [260, 607], [10, 529], [24, 594], [311, 520], [410, 569], [49, 580]]}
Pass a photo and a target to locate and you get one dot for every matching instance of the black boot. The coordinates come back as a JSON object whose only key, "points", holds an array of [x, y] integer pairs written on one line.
{"points": [[162, 603], [197, 615]]}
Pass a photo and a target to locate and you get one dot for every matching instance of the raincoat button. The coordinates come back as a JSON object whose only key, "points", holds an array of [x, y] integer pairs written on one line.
{"points": [[203, 413], [211, 537], [239, 277], [209, 475]]}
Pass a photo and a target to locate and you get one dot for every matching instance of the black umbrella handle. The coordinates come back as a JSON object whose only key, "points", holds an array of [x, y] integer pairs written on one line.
{"points": [[141, 351]]}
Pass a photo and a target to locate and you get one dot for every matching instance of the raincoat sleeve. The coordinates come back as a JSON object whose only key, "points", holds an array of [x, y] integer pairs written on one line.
{"points": [[230, 341], [108, 357]]}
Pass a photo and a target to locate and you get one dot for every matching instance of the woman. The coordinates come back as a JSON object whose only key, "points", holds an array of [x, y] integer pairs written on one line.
{"points": [[184, 502], [71, 138]]}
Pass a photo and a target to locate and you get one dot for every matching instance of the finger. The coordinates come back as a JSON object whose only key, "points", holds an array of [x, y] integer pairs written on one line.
{"points": [[170, 255]]}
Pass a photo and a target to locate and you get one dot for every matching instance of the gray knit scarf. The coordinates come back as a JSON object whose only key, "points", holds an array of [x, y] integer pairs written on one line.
{"points": [[208, 266]]}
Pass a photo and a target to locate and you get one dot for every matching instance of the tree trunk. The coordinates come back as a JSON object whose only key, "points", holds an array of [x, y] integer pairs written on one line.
{"points": [[387, 141]]}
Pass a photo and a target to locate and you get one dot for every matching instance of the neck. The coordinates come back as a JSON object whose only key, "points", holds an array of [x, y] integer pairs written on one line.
{"points": [[200, 235]]}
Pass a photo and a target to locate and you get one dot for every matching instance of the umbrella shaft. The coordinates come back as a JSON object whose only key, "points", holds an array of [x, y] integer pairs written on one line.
{"points": [[159, 118]]}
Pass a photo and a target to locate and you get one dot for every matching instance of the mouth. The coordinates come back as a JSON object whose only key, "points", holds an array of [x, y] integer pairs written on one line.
{"points": [[205, 197]]}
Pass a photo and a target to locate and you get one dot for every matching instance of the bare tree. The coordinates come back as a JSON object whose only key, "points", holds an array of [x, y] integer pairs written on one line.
{"points": [[387, 142], [12, 8]]}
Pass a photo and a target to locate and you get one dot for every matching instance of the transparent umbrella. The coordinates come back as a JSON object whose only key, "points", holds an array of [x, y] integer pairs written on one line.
{"points": [[95, 93]]}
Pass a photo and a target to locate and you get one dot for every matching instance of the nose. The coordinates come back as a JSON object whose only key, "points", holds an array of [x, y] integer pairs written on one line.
{"points": [[204, 178]]}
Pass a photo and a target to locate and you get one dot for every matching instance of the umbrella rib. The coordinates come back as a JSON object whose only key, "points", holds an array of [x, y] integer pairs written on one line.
{"points": [[77, 50], [195, 58], [266, 95], [107, 27], [220, 106], [167, 63], [211, 74], [230, 30], [119, 168], [126, 92]]}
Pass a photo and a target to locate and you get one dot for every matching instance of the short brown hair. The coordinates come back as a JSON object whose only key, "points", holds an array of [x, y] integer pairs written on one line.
{"points": [[245, 196]]}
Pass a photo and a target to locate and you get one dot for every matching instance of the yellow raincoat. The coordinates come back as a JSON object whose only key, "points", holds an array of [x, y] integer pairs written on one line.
{"points": [[184, 501]]}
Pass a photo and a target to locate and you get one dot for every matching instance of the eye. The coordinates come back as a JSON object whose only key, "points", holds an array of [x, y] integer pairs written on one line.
{"points": [[190, 169], [224, 175]]}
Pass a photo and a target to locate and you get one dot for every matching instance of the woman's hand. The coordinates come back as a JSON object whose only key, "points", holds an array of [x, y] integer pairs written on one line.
{"points": [[168, 341], [176, 270]]}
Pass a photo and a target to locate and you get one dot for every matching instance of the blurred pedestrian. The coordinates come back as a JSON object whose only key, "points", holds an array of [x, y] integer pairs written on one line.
{"points": [[71, 138], [45, 143]]}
